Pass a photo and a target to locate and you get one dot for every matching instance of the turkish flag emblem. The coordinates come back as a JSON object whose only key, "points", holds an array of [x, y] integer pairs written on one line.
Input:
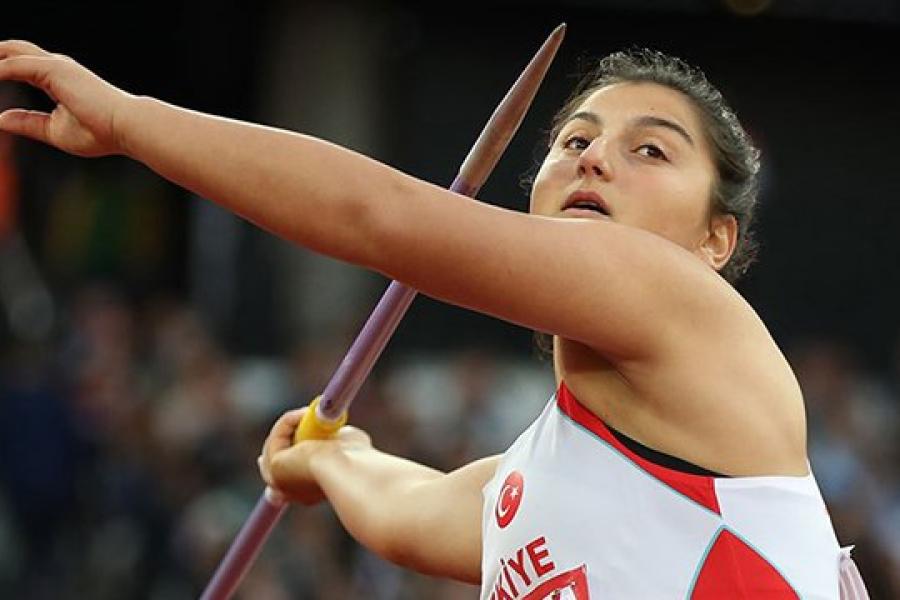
{"points": [[509, 499]]}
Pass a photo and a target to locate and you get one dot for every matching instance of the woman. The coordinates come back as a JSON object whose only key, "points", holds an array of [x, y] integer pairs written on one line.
{"points": [[672, 460]]}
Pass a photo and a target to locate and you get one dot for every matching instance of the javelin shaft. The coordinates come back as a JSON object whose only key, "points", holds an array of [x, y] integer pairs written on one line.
{"points": [[365, 350], [479, 163]]}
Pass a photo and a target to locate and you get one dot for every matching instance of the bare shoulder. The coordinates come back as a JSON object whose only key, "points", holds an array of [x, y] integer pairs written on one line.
{"points": [[726, 386], [716, 384]]}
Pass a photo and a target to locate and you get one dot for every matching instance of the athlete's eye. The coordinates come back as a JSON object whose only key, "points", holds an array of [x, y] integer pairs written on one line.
{"points": [[651, 151], [576, 142]]}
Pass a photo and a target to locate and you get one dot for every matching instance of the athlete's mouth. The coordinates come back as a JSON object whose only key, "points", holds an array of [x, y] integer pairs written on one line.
{"points": [[584, 200]]}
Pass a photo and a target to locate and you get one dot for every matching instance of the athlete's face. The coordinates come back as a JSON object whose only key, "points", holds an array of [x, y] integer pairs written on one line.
{"points": [[635, 153]]}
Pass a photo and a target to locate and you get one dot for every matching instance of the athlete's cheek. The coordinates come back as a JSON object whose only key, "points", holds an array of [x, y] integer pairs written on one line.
{"points": [[542, 189], [538, 202]]}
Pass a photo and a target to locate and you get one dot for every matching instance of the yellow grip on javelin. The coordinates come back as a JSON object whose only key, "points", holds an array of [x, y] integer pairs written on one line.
{"points": [[311, 427]]}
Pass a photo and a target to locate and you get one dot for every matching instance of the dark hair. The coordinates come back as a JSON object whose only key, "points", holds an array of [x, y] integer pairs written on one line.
{"points": [[737, 160]]}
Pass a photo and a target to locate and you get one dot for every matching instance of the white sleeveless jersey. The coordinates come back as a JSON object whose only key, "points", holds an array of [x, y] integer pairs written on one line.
{"points": [[573, 513]]}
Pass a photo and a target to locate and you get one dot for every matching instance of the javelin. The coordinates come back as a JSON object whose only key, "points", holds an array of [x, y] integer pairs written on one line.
{"points": [[328, 412]]}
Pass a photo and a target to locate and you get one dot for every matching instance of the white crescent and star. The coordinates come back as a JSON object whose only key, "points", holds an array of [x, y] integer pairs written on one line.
{"points": [[509, 499]]}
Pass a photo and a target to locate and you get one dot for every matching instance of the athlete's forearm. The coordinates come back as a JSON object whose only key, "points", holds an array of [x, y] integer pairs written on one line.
{"points": [[304, 189], [374, 496], [395, 507]]}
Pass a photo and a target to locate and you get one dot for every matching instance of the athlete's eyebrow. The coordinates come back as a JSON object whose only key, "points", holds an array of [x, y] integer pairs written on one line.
{"points": [[592, 118], [642, 121], [651, 121]]}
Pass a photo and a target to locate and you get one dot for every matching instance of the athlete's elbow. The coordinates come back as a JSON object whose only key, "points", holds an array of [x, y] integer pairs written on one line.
{"points": [[392, 535], [381, 537], [435, 558]]}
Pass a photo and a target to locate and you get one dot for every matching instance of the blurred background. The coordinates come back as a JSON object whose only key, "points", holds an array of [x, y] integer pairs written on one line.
{"points": [[148, 339]]}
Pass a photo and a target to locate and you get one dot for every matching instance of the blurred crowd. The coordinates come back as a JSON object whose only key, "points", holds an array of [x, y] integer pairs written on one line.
{"points": [[128, 454], [129, 432]]}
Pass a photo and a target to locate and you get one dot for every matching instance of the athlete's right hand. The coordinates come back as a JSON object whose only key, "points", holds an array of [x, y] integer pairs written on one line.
{"points": [[88, 108], [285, 466]]}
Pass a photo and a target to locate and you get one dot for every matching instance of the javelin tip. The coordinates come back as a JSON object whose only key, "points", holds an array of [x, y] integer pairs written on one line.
{"points": [[551, 45]]}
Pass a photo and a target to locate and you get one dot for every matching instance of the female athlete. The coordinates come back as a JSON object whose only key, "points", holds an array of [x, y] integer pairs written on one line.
{"points": [[670, 463]]}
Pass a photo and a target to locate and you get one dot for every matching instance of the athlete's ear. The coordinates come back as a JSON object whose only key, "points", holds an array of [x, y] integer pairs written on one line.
{"points": [[721, 238]]}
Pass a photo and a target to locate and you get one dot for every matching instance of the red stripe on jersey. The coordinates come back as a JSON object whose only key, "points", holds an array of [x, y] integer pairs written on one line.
{"points": [[733, 569], [699, 488]]}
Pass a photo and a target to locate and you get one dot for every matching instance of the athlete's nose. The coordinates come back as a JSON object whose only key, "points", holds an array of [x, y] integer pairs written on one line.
{"points": [[594, 160]]}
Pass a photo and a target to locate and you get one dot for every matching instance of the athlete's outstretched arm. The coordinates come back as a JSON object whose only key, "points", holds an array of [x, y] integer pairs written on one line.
{"points": [[642, 291], [410, 514]]}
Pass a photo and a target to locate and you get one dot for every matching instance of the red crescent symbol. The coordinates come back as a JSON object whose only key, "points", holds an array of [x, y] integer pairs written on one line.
{"points": [[509, 499]]}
